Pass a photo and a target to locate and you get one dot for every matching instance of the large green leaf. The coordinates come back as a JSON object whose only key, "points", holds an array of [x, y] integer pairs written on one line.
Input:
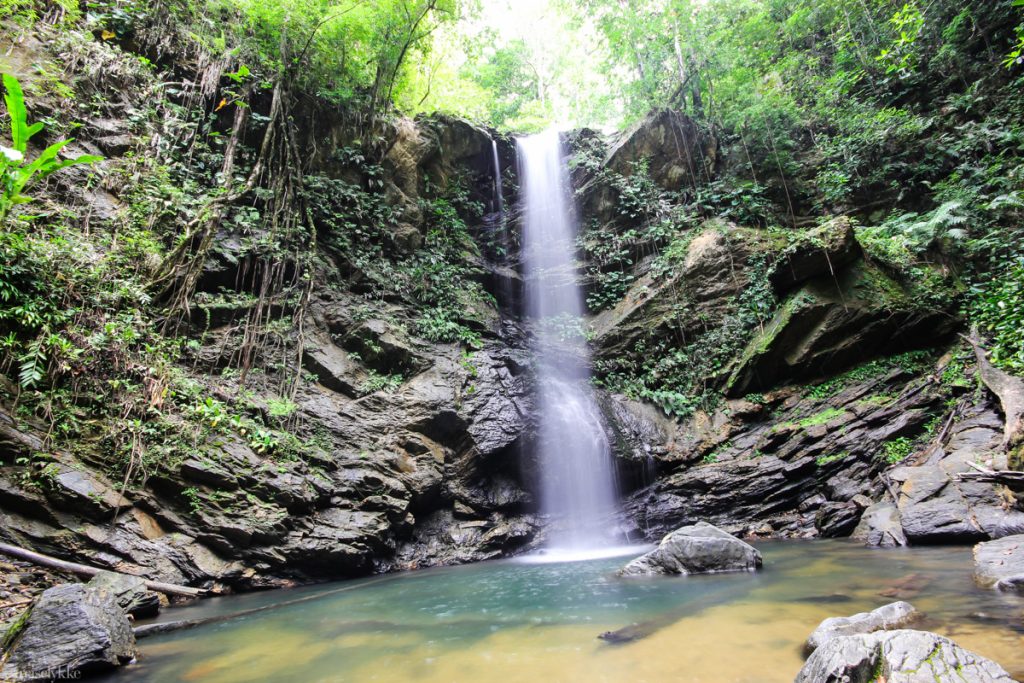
{"points": [[14, 98]]}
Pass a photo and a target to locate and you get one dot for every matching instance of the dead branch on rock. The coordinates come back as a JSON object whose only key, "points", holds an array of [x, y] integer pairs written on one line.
{"points": [[85, 570]]}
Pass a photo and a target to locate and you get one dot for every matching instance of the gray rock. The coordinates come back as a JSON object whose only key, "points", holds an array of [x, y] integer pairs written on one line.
{"points": [[902, 656], [999, 564], [886, 618], [834, 519], [819, 251], [880, 527], [678, 152], [935, 506], [129, 592], [698, 549], [72, 630], [832, 323]]}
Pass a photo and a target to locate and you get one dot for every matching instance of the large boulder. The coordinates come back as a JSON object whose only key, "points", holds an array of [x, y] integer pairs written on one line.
{"points": [[708, 277], [833, 322], [72, 630], [679, 155], [698, 549], [902, 656], [886, 618], [816, 252], [129, 592], [1000, 564]]}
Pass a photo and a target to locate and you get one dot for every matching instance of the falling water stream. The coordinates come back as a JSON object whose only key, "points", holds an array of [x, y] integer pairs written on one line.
{"points": [[499, 192], [577, 484]]}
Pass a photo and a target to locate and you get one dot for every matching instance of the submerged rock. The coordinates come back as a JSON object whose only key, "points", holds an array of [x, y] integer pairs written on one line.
{"points": [[72, 630], [892, 616], [999, 564], [698, 549], [903, 656]]}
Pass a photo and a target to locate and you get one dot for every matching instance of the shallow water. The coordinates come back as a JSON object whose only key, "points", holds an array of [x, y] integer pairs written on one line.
{"points": [[516, 621]]}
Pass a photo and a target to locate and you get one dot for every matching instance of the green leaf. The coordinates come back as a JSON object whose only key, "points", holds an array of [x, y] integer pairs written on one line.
{"points": [[14, 98]]}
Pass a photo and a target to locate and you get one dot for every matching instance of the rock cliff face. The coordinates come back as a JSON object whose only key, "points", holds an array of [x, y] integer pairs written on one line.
{"points": [[846, 396], [407, 450], [414, 424]]}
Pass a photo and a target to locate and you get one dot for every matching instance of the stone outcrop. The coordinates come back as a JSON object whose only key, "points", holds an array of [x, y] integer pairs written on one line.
{"points": [[824, 250], [72, 630], [999, 564], [698, 549], [129, 592], [793, 465], [710, 275], [902, 656], [447, 438], [679, 154], [835, 321], [885, 618], [933, 505]]}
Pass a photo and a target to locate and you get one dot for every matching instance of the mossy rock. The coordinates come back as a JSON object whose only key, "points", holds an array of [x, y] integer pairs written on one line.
{"points": [[832, 323]]}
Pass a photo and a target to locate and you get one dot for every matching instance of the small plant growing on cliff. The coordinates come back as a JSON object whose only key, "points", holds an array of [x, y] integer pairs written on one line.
{"points": [[17, 173], [896, 450], [191, 495]]}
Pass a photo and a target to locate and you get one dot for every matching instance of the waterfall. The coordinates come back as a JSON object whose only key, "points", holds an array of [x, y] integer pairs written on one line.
{"points": [[499, 201], [577, 485]]}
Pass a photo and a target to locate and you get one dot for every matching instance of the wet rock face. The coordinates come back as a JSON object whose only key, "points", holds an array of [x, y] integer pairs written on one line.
{"points": [[698, 549], [366, 495], [901, 656], [72, 630], [886, 618]]}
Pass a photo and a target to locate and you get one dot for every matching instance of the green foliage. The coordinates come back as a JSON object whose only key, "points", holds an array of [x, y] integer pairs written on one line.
{"points": [[17, 173], [378, 382], [998, 308], [280, 408], [896, 450], [821, 417], [191, 496], [910, 361], [901, 57], [823, 460]]}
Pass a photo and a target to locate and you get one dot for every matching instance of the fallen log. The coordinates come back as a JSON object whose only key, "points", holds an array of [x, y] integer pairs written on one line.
{"points": [[85, 570]]}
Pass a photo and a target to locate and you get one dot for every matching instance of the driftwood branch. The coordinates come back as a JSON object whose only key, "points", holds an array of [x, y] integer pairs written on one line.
{"points": [[1008, 388], [1011, 479], [85, 570]]}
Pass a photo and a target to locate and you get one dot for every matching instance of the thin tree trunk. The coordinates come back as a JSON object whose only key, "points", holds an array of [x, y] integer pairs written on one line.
{"points": [[85, 570]]}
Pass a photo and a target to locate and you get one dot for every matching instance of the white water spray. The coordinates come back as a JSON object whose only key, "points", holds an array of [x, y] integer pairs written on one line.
{"points": [[577, 478]]}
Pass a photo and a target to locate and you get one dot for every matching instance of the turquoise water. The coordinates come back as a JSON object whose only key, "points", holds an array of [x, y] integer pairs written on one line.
{"points": [[517, 621]]}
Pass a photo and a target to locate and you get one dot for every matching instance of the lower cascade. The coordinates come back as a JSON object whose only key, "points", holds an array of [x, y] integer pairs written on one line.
{"points": [[578, 484]]}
